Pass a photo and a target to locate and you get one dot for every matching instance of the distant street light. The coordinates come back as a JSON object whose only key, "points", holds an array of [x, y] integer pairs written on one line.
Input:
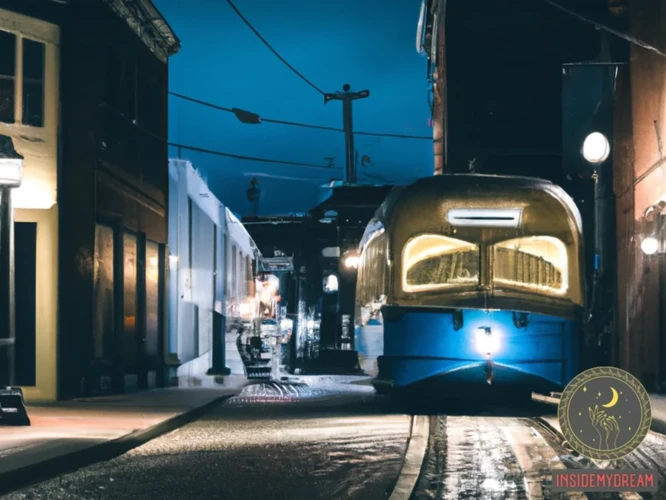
{"points": [[596, 148], [11, 174]]}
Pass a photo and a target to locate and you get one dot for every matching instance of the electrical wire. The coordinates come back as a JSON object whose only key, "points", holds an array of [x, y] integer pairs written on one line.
{"points": [[598, 25], [275, 52], [213, 152], [248, 158], [297, 124]]}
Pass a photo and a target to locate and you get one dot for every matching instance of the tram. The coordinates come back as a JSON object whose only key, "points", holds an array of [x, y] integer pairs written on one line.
{"points": [[468, 279]]}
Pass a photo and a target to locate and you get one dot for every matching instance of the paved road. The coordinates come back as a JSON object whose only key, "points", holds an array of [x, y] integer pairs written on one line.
{"points": [[339, 450], [342, 447]]}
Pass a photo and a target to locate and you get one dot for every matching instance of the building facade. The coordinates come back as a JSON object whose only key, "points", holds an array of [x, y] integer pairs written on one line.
{"points": [[639, 188], [211, 276], [84, 98]]}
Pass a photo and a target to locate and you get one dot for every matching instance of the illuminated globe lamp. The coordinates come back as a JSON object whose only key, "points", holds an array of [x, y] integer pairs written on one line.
{"points": [[11, 164], [653, 218], [650, 245], [596, 148]]}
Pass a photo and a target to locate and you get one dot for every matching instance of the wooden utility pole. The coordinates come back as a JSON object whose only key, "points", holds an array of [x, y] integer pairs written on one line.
{"points": [[347, 96]]}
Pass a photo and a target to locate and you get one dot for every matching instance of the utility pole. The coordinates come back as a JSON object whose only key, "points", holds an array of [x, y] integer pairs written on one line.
{"points": [[347, 96]]}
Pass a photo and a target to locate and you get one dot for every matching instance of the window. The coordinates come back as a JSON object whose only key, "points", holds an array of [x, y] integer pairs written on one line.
{"points": [[31, 85], [152, 344], [103, 293], [7, 76], [130, 299], [151, 101], [432, 261], [535, 262], [120, 84]]}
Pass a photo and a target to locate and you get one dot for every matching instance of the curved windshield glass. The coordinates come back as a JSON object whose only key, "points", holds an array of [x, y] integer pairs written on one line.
{"points": [[535, 262], [432, 261]]}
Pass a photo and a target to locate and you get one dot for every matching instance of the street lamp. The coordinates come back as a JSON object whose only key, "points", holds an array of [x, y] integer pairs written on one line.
{"points": [[654, 225], [650, 245], [351, 259], [596, 148], [11, 173]]}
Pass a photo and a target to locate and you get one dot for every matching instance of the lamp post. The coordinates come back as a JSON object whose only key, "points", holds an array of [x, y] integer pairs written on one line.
{"points": [[11, 173]]}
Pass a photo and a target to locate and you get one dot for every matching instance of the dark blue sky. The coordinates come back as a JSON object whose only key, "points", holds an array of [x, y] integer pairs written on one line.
{"points": [[369, 44]]}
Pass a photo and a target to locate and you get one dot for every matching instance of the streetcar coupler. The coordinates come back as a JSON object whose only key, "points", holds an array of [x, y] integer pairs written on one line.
{"points": [[490, 375]]}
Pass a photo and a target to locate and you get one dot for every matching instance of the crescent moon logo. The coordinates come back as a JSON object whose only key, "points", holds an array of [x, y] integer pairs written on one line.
{"points": [[607, 431], [614, 400]]}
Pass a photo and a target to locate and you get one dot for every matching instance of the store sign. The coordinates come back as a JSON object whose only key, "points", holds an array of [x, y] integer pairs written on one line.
{"points": [[12, 408], [276, 264]]}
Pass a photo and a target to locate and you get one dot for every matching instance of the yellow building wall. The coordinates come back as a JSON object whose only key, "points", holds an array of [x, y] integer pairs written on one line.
{"points": [[36, 199]]}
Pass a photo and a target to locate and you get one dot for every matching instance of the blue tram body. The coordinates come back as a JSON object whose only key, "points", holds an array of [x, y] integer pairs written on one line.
{"points": [[471, 279]]}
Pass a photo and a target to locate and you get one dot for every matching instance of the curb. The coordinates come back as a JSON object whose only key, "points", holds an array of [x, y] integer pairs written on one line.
{"points": [[416, 451], [65, 464]]}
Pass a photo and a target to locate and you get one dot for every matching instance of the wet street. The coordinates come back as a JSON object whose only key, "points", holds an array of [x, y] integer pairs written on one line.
{"points": [[290, 443]]}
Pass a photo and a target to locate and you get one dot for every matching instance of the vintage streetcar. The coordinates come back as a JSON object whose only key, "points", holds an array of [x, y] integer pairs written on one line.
{"points": [[472, 279]]}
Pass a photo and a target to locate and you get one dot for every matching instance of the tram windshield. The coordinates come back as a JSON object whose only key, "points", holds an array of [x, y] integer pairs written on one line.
{"points": [[434, 261], [537, 263]]}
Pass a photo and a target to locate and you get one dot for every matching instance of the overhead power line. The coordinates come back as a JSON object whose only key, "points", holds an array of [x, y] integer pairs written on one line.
{"points": [[249, 158], [213, 152], [612, 31], [275, 52], [297, 124]]}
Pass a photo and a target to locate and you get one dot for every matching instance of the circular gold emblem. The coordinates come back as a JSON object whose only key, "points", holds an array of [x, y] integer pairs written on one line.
{"points": [[605, 413]]}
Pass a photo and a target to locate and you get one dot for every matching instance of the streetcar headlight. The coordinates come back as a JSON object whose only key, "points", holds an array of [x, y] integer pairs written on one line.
{"points": [[487, 343]]}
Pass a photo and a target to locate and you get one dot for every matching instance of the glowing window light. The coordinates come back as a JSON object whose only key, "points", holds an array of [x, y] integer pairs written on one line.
{"points": [[427, 246], [485, 217], [596, 148], [552, 250], [331, 283]]}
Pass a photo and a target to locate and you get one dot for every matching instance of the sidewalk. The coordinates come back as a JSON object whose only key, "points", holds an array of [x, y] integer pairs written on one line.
{"points": [[70, 434]]}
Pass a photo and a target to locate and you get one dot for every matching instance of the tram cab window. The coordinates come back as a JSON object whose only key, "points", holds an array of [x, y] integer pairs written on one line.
{"points": [[537, 262], [432, 261]]}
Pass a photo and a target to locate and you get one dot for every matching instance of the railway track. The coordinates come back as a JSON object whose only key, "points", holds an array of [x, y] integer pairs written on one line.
{"points": [[489, 457]]}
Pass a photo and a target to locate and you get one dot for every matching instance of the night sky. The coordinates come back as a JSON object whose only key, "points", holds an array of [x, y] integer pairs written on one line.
{"points": [[369, 44]]}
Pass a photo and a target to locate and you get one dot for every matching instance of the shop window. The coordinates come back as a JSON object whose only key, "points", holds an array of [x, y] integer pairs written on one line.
{"points": [[7, 76], [536, 262], [152, 298], [103, 293], [33, 83], [432, 261], [130, 299]]}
